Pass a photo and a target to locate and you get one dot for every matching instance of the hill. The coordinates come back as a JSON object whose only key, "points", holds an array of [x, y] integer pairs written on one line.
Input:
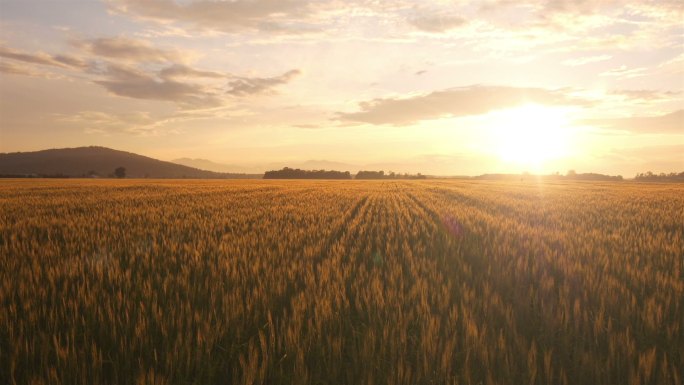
{"points": [[589, 176], [204, 164], [97, 161]]}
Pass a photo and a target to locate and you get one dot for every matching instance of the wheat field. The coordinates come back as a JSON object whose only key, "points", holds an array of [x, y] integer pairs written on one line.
{"points": [[341, 282]]}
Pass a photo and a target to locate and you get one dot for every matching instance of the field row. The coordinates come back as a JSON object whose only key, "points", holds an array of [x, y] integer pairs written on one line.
{"points": [[341, 282]]}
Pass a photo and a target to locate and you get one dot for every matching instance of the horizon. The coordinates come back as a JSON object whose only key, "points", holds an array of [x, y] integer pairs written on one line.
{"points": [[325, 165], [441, 89]]}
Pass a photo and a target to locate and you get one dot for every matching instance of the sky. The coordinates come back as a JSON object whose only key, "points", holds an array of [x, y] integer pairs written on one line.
{"points": [[433, 86]]}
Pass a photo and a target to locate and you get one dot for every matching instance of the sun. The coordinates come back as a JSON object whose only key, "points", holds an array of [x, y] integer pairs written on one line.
{"points": [[530, 135]]}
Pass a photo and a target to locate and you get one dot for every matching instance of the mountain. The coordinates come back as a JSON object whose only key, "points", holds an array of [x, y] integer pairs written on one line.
{"points": [[204, 164], [328, 165], [313, 165], [589, 176], [98, 161]]}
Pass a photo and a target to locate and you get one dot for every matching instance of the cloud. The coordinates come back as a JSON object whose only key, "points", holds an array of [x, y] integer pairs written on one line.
{"points": [[165, 84], [583, 25], [280, 16], [41, 58], [660, 9], [435, 17], [308, 126], [624, 72], [133, 83], [226, 16], [121, 66], [595, 13], [178, 84], [128, 49], [674, 66], [574, 6], [437, 23], [251, 86], [646, 95], [183, 71], [12, 69], [453, 102], [586, 60], [672, 123], [514, 30]]}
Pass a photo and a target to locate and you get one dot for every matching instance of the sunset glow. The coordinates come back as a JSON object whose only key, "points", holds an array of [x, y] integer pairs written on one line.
{"points": [[443, 88], [400, 192], [530, 135]]}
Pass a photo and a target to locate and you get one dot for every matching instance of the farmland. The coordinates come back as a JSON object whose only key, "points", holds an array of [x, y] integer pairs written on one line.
{"points": [[341, 282]]}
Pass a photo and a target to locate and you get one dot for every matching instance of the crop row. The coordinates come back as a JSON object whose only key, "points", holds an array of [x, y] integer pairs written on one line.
{"points": [[340, 282]]}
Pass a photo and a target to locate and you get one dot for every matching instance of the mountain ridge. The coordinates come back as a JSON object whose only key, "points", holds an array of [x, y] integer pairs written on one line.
{"points": [[206, 164], [94, 161], [311, 164]]}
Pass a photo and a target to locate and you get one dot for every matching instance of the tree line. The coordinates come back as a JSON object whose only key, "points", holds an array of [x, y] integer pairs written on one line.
{"points": [[390, 175], [662, 177], [295, 173]]}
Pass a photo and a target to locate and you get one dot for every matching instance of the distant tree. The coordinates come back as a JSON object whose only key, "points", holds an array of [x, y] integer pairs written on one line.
{"points": [[571, 173], [289, 173], [592, 176], [381, 175], [120, 172], [650, 176]]}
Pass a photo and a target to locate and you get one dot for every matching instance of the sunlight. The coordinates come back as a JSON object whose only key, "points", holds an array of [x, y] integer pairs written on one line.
{"points": [[530, 135]]}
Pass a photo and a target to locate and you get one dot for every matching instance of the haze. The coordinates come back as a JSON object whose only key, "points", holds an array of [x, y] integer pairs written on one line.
{"points": [[438, 87]]}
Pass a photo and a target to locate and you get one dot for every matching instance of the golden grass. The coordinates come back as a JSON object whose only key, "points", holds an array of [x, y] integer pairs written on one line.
{"points": [[341, 282]]}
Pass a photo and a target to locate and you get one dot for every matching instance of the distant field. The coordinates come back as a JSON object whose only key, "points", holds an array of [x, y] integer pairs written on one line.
{"points": [[340, 282]]}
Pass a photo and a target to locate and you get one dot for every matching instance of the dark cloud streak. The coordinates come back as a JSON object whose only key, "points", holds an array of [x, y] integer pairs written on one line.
{"points": [[227, 16], [179, 70], [133, 83], [453, 102], [128, 49], [40, 58], [121, 66], [252, 86]]}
